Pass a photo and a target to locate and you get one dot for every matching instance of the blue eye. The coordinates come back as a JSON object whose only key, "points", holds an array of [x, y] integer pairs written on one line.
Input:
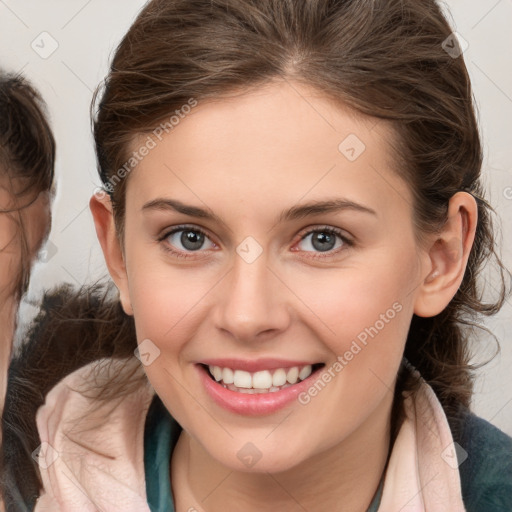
{"points": [[324, 240], [182, 240]]}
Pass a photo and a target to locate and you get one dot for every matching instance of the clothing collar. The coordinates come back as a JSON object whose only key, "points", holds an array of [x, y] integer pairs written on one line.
{"points": [[95, 456]]}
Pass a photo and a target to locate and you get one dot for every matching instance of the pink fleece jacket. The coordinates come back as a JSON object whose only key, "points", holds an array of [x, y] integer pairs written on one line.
{"points": [[92, 456]]}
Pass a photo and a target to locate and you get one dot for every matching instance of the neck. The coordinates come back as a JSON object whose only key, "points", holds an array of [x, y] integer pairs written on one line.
{"points": [[347, 473]]}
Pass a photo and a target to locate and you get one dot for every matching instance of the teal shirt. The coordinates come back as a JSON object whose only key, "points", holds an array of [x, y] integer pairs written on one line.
{"points": [[160, 437], [486, 473]]}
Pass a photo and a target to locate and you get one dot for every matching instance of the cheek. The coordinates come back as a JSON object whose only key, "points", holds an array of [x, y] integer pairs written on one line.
{"points": [[353, 300], [8, 231], [37, 222], [10, 253], [8, 269], [165, 299], [368, 309], [166, 305]]}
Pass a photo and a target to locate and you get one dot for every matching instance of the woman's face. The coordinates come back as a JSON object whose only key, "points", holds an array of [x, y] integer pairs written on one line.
{"points": [[28, 213], [268, 235]]}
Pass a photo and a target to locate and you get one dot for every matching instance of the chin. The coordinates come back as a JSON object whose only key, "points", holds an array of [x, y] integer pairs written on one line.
{"points": [[255, 458]]}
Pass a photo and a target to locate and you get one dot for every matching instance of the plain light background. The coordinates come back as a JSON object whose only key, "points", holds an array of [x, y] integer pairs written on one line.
{"points": [[64, 47]]}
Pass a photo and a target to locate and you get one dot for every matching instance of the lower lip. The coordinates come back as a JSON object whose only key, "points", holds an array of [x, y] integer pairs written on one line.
{"points": [[252, 404]]}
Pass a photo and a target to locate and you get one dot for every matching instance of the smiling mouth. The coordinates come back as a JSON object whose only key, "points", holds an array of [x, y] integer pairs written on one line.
{"points": [[266, 381]]}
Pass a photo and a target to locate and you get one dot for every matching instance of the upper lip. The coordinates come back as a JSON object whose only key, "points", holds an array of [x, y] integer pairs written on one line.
{"points": [[255, 365]]}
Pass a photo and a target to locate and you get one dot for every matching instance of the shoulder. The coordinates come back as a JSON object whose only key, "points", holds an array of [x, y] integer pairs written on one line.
{"points": [[93, 443], [485, 457], [74, 327]]}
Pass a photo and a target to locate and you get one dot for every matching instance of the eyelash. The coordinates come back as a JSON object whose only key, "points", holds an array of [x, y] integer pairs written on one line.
{"points": [[347, 243], [177, 229]]}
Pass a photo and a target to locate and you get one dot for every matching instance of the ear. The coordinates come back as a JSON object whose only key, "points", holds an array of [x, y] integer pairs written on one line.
{"points": [[448, 254], [101, 208]]}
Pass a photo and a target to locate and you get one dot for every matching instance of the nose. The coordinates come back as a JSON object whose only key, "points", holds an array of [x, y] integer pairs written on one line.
{"points": [[252, 304]]}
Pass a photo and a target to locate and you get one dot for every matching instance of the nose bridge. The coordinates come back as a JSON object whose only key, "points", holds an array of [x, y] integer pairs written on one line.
{"points": [[251, 303]]}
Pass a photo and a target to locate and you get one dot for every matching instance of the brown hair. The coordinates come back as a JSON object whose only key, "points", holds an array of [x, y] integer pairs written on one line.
{"points": [[27, 155]]}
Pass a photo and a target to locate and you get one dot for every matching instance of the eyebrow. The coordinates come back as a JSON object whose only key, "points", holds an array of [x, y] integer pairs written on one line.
{"points": [[294, 213]]}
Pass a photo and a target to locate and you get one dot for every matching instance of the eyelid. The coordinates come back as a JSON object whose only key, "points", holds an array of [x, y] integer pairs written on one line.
{"points": [[348, 241], [324, 227], [183, 227]]}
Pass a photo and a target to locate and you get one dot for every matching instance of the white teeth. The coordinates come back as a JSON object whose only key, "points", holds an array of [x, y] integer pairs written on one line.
{"points": [[279, 378], [305, 372], [242, 379], [216, 372], [259, 382], [293, 375], [227, 376], [262, 380]]}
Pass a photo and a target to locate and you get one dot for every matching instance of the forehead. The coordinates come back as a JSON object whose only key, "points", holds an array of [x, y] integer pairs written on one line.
{"points": [[267, 149]]}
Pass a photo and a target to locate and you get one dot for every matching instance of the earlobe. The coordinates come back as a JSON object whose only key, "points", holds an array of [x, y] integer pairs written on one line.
{"points": [[101, 209], [448, 256]]}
